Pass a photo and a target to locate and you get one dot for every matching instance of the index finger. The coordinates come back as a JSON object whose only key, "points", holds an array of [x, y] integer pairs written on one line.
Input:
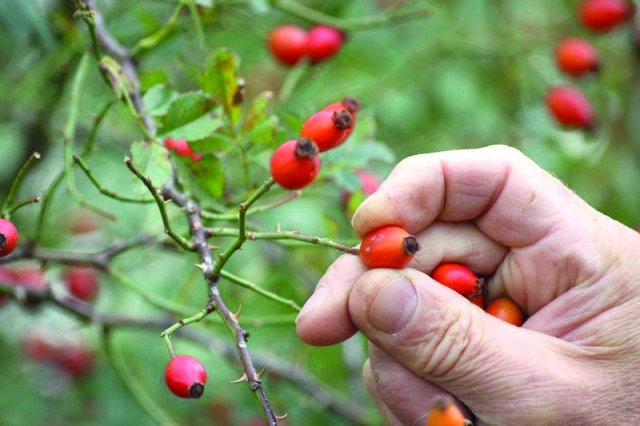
{"points": [[510, 198]]}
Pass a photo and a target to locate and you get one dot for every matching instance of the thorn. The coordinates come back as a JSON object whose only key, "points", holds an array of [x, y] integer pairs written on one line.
{"points": [[278, 418], [278, 229], [36, 155], [201, 266], [258, 376], [237, 313], [127, 160], [241, 379], [251, 235], [214, 247]]}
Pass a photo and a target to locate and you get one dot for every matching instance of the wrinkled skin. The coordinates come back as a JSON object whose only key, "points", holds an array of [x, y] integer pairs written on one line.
{"points": [[575, 271]]}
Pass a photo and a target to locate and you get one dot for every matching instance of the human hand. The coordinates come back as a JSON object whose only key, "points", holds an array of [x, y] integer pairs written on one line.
{"points": [[575, 271]]}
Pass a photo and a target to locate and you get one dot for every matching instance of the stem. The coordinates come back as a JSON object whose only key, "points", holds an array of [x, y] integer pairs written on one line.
{"points": [[137, 390], [156, 38], [96, 125], [80, 162], [266, 293], [182, 242], [286, 235], [21, 204], [234, 216], [242, 235], [181, 323], [15, 186], [294, 76]]}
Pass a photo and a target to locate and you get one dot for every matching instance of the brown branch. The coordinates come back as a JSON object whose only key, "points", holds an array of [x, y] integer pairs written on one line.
{"points": [[192, 209]]}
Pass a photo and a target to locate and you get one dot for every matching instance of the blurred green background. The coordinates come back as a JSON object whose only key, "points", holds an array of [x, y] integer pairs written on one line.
{"points": [[471, 75]]}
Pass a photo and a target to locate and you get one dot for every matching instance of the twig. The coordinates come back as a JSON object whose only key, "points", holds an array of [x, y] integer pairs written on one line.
{"points": [[15, 186], [285, 235], [111, 194], [268, 294], [182, 242], [21, 204], [156, 38], [234, 216]]}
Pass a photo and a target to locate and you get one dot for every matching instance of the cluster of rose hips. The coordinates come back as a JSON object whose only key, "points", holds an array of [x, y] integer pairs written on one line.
{"points": [[290, 43], [77, 360], [296, 163], [393, 247], [182, 148], [577, 58]]}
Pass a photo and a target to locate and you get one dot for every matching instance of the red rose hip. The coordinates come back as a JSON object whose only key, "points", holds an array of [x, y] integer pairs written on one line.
{"points": [[82, 283], [323, 42], [603, 15], [295, 164], [8, 237], [327, 128], [507, 310], [288, 43], [458, 278], [185, 377], [576, 56], [388, 247], [570, 107]]}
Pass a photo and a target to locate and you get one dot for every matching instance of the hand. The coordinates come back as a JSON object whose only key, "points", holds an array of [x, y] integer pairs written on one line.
{"points": [[575, 271]]}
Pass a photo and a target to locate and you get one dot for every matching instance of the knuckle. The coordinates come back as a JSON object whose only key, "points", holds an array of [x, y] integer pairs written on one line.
{"points": [[506, 151]]}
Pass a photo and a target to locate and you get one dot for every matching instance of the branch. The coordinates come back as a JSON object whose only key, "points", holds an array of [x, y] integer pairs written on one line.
{"points": [[285, 235], [234, 216], [7, 208]]}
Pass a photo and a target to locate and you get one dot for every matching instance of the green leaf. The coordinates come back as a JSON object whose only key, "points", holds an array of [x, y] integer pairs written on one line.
{"points": [[207, 173], [152, 162], [216, 142], [220, 80], [347, 180], [190, 117], [372, 151], [259, 7], [258, 126], [157, 99]]}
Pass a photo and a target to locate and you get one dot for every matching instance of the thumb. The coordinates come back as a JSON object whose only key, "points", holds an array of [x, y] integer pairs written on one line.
{"points": [[438, 335]]}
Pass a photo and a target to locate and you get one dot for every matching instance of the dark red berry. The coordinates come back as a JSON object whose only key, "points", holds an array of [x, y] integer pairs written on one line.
{"points": [[185, 377], [459, 278], [388, 247], [576, 56], [570, 107], [295, 163], [288, 43], [77, 360], [8, 237], [82, 283], [323, 42], [328, 129], [603, 15]]}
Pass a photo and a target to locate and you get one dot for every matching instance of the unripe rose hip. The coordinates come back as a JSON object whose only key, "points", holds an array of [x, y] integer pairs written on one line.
{"points": [[185, 377], [8, 237], [295, 164], [388, 247], [570, 107], [458, 278], [323, 42], [604, 15], [445, 413], [576, 56], [288, 43], [328, 129], [507, 310]]}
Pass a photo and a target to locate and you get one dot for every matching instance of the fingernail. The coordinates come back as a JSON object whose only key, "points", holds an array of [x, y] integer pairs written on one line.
{"points": [[393, 306], [316, 299]]}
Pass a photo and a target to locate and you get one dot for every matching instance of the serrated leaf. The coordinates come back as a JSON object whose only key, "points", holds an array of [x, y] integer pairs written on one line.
{"points": [[258, 126], [190, 117], [220, 80], [347, 180], [207, 173], [213, 143], [157, 99], [152, 162]]}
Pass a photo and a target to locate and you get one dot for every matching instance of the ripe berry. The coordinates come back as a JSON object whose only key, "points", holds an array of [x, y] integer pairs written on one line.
{"points": [[388, 247], [445, 413], [458, 277], [477, 298], [576, 56], [570, 107], [323, 42], [295, 163], [182, 148], [506, 310], [82, 283], [603, 15], [38, 349], [349, 103], [77, 360], [185, 377], [30, 276], [328, 129], [288, 43], [8, 237]]}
